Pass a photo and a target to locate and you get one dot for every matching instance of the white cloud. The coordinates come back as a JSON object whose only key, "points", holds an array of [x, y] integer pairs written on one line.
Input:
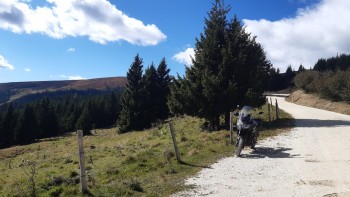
{"points": [[28, 70], [99, 20], [71, 49], [184, 57], [5, 64], [319, 31], [73, 77]]}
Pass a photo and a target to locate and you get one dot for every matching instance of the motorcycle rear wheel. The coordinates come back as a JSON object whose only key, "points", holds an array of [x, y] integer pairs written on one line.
{"points": [[240, 146]]}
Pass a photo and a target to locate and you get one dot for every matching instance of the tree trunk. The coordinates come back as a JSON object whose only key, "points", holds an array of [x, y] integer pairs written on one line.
{"points": [[214, 123], [227, 120]]}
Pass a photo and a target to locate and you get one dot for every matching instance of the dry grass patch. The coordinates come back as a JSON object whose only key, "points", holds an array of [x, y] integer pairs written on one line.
{"points": [[312, 100]]}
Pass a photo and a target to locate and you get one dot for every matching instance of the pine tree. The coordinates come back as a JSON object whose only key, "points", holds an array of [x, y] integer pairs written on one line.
{"points": [[132, 107], [229, 68], [2, 133], [164, 80], [289, 76], [151, 98], [47, 119], [85, 121], [8, 124], [250, 67], [26, 129], [205, 76], [301, 68]]}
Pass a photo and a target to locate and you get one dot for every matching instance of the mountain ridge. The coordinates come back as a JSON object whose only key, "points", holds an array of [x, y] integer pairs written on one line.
{"points": [[14, 90]]}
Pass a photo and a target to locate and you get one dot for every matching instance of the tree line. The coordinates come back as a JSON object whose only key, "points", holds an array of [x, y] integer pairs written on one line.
{"points": [[49, 117], [330, 78]]}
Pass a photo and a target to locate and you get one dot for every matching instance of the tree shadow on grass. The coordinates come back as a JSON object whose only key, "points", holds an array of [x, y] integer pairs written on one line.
{"points": [[193, 165]]}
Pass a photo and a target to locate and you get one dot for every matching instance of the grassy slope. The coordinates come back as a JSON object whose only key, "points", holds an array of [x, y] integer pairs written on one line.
{"points": [[134, 164], [313, 100]]}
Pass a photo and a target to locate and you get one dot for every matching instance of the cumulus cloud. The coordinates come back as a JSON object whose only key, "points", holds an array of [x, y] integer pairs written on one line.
{"points": [[99, 20], [27, 69], [5, 64], [184, 57], [73, 77], [317, 31], [71, 49]]}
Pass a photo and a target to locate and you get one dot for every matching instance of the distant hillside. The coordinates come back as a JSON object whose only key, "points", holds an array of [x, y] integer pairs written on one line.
{"points": [[15, 90]]}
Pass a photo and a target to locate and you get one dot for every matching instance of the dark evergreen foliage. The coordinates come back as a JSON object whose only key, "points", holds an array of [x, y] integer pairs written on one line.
{"points": [[26, 130], [229, 68], [7, 127], [151, 99], [301, 68], [340, 62], [289, 76], [47, 119], [132, 100], [85, 121], [164, 81], [145, 98], [57, 115]]}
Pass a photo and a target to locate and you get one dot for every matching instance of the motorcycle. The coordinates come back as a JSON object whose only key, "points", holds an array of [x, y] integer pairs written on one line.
{"points": [[247, 129]]}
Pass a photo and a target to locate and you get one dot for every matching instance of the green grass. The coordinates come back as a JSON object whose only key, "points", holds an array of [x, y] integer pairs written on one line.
{"points": [[132, 164]]}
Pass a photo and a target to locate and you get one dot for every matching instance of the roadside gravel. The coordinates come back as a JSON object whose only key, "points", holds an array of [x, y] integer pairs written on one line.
{"points": [[311, 160]]}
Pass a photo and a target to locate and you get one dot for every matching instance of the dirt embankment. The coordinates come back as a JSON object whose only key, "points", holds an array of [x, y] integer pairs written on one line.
{"points": [[311, 100]]}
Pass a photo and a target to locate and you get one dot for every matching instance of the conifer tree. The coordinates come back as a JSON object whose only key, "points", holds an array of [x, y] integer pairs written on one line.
{"points": [[47, 119], [132, 106], [8, 124], [164, 81], [229, 68], [301, 68], [26, 129], [289, 76], [2, 133], [151, 98], [85, 121]]}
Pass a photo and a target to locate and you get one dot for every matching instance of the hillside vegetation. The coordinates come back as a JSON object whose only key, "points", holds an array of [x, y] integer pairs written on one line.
{"points": [[131, 164], [334, 86], [16, 90], [313, 100], [330, 79]]}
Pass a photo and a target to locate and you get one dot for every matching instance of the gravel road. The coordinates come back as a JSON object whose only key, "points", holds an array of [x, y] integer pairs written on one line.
{"points": [[311, 160]]}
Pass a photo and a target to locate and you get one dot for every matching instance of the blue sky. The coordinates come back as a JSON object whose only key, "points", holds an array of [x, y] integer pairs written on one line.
{"points": [[42, 40]]}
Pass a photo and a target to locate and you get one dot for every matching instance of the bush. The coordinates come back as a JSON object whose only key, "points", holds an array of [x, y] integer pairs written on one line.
{"points": [[337, 87], [329, 85], [307, 80]]}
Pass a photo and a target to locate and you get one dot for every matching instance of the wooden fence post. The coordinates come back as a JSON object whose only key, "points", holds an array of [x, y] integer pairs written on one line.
{"points": [[231, 128], [271, 102], [277, 110], [269, 110], [82, 162], [172, 131]]}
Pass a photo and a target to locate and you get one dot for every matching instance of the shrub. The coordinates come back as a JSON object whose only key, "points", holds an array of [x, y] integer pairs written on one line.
{"points": [[329, 85], [307, 80], [133, 185]]}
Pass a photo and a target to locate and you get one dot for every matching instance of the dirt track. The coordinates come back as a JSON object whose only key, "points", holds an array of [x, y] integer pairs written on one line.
{"points": [[312, 160]]}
